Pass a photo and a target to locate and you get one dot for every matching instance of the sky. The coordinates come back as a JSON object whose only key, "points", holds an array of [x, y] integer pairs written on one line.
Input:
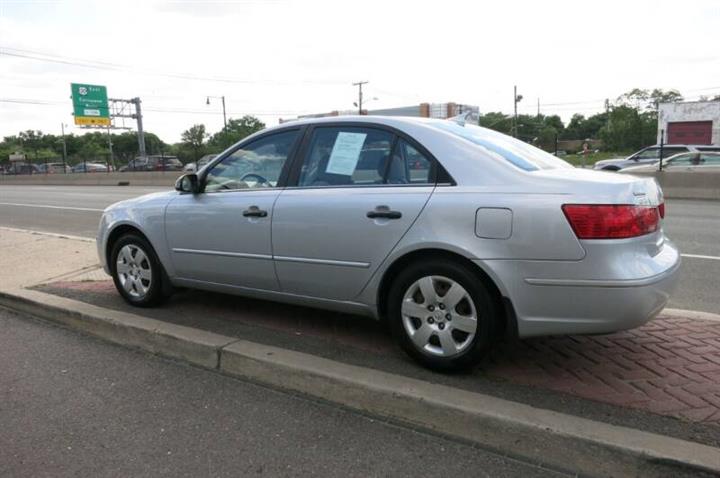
{"points": [[282, 58]]}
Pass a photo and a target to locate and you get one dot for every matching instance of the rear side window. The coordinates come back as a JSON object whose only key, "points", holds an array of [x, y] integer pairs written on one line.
{"points": [[346, 156], [408, 166], [710, 159]]}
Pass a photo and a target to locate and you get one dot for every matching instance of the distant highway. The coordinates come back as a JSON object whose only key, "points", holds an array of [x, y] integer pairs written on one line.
{"points": [[693, 225]]}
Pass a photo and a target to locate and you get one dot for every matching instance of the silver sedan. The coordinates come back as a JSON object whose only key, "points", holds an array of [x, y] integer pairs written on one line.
{"points": [[454, 234]]}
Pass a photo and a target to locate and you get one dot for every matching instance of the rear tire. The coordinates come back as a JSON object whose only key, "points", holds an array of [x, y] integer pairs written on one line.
{"points": [[442, 315], [137, 272]]}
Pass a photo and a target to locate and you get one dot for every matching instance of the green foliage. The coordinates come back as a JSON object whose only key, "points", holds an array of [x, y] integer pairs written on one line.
{"points": [[193, 145], [237, 129], [580, 127], [628, 128], [496, 121]]}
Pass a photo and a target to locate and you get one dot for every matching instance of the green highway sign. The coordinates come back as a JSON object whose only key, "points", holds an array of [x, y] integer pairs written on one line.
{"points": [[90, 105]]}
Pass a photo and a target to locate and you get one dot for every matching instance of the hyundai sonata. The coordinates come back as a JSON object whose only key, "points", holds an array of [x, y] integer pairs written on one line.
{"points": [[452, 233]]}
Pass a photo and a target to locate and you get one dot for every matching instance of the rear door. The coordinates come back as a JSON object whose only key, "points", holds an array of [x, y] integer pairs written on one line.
{"points": [[357, 190]]}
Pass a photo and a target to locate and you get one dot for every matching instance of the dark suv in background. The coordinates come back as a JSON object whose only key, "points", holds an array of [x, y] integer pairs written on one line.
{"points": [[651, 155], [154, 163]]}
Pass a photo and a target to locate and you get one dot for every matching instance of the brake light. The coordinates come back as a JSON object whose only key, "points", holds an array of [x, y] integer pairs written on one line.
{"points": [[610, 221]]}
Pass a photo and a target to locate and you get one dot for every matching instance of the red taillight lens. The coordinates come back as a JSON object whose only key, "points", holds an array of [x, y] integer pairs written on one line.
{"points": [[661, 210], [606, 221]]}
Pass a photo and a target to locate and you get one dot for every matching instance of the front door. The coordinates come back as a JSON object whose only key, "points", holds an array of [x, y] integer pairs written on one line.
{"points": [[222, 235], [359, 190]]}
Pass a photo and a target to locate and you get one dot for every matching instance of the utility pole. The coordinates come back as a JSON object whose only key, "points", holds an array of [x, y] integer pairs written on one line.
{"points": [[538, 113], [110, 145], [141, 134], [516, 99], [360, 84], [62, 128]]}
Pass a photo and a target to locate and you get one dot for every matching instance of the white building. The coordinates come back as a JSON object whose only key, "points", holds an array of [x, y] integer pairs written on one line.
{"points": [[690, 122]]}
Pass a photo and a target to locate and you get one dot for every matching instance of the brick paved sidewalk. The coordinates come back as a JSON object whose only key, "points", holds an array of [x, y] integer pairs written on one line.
{"points": [[670, 366]]}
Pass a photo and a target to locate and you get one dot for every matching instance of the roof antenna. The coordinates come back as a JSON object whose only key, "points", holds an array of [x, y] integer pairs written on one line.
{"points": [[461, 118]]}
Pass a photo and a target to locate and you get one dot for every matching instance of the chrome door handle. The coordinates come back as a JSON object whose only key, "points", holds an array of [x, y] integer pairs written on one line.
{"points": [[254, 211]]}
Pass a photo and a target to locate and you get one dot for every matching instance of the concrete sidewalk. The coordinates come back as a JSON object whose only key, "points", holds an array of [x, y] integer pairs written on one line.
{"points": [[619, 369], [30, 258]]}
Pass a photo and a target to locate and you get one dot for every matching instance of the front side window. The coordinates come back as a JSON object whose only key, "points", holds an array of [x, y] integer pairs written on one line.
{"points": [[346, 156], [650, 153], [257, 165], [684, 159]]}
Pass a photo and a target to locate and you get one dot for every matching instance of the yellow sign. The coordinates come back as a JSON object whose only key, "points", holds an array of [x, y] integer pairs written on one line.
{"points": [[91, 121]]}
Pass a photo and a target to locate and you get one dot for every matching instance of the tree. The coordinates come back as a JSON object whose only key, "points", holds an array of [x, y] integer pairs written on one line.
{"points": [[237, 129], [193, 139], [658, 96], [496, 121], [627, 128], [580, 127]]}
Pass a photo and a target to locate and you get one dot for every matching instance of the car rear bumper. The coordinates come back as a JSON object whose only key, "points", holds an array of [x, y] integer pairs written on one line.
{"points": [[550, 305]]}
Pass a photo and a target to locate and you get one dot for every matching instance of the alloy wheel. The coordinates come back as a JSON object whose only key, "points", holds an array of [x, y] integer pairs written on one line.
{"points": [[439, 316], [134, 271]]}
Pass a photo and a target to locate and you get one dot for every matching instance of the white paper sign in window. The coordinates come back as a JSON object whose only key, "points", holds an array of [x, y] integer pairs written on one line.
{"points": [[345, 153]]}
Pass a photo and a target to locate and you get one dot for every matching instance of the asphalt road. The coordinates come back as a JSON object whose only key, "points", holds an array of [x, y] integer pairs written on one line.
{"points": [[693, 225], [71, 405]]}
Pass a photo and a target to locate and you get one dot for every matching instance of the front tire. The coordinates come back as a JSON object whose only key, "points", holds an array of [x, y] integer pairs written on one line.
{"points": [[442, 315], [136, 271]]}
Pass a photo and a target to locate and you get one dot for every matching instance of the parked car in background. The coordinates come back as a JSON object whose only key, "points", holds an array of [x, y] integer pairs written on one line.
{"points": [[452, 233], [698, 162], [154, 163], [90, 168], [54, 168], [22, 168], [650, 155], [196, 166]]}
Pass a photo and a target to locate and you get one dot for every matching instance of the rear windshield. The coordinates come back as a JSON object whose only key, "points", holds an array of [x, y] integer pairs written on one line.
{"points": [[501, 146]]}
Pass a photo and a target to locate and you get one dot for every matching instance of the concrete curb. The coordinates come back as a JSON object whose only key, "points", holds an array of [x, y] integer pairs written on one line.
{"points": [[551, 438]]}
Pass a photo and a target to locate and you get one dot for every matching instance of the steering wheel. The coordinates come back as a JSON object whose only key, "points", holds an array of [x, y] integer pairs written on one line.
{"points": [[259, 179]]}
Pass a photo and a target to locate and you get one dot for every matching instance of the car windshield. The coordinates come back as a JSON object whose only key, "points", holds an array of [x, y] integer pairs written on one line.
{"points": [[516, 152]]}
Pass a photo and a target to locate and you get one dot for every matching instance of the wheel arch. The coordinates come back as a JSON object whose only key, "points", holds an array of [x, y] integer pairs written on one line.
{"points": [[116, 233], [508, 325]]}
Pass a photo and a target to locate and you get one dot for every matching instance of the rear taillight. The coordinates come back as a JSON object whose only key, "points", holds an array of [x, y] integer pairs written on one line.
{"points": [[661, 210], [610, 221]]}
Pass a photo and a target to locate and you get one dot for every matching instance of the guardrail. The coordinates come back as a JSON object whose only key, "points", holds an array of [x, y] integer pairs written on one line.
{"points": [[137, 178], [675, 185], [688, 184]]}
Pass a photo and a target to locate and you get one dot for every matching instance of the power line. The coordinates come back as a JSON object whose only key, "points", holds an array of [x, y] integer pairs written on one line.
{"points": [[49, 58], [155, 110]]}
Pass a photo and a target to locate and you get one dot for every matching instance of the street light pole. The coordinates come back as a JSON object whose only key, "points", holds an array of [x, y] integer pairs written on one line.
{"points": [[62, 128], [222, 99]]}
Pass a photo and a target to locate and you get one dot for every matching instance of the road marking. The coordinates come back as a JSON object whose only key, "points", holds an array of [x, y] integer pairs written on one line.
{"points": [[48, 206], [699, 256]]}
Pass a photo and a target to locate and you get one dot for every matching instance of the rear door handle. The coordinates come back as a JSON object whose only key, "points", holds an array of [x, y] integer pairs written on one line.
{"points": [[254, 211], [384, 212]]}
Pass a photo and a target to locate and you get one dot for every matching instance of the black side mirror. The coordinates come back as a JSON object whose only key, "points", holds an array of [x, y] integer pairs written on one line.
{"points": [[188, 183]]}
